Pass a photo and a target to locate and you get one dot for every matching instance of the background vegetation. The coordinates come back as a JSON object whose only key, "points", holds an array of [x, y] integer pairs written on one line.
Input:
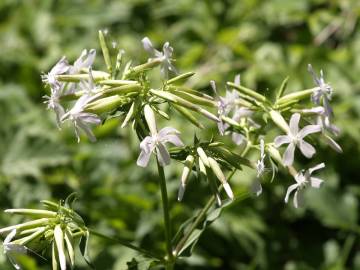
{"points": [[265, 41]]}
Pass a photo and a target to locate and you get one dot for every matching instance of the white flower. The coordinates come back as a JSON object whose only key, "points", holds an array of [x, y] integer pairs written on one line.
{"points": [[325, 123], [296, 138], [225, 105], [60, 67], [11, 250], [82, 119], [53, 103], [323, 93], [164, 56], [85, 60], [303, 179], [88, 86], [156, 141]]}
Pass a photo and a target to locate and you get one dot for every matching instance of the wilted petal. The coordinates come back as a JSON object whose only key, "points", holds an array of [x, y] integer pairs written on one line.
{"points": [[90, 118], [294, 123], [316, 182], [299, 198], [148, 46], [307, 149], [288, 158], [328, 110], [163, 155], [85, 60], [317, 167], [86, 129], [289, 191], [282, 139], [309, 130], [312, 72]]}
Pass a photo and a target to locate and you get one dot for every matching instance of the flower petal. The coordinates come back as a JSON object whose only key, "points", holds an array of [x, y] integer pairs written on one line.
{"points": [[316, 182], [294, 123], [282, 139], [163, 155], [317, 167], [307, 149], [143, 159], [168, 130], [289, 191], [173, 139], [288, 157], [237, 138], [309, 130], [299, 198]]}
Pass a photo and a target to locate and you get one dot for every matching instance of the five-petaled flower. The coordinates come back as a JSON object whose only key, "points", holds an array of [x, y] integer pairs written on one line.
{"points": [[156, 141], [303, 179], [164, 56], [323, 93], [296, 138]]}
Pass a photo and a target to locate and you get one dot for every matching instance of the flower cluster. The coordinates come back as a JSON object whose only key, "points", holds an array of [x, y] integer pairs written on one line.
{"points": [[86, 97], [58, 229]]}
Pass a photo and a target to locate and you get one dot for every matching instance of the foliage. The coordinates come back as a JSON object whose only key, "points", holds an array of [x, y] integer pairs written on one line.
{"points": [[265, 41]]}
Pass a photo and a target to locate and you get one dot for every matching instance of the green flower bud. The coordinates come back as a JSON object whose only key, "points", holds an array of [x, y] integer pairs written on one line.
{"points": [[279, 121], [181, 78], [248, 91], [105, 51], [189, 163], [150, 119]]}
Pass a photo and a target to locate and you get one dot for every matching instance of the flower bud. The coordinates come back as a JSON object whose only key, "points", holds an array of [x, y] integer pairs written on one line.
{"points": [[247, 91], [105, 51], [59, 240], [203, 156], [150, 119], [181, 78], [189, 163], [220, 175], [279, 121]]}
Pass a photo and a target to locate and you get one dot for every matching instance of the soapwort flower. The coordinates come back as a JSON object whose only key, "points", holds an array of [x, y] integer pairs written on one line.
{"points": [[61, 67], [164, 56], [53, 103], [224, 105], [85, 60], [156, 141], [295, 138], [82, 119], [303, 179], [324, 92], [11, 250]]}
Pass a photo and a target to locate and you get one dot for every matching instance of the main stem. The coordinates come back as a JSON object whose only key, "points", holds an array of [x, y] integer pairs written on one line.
{"points": [[166, 212]]}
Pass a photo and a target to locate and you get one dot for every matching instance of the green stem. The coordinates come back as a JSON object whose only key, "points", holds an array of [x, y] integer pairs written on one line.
{"points": [[197, 221], [194, 225], [166, 213], [126, 244]]}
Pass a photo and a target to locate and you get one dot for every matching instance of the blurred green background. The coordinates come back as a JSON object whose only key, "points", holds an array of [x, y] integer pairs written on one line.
{"points": [[265, 41]]}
